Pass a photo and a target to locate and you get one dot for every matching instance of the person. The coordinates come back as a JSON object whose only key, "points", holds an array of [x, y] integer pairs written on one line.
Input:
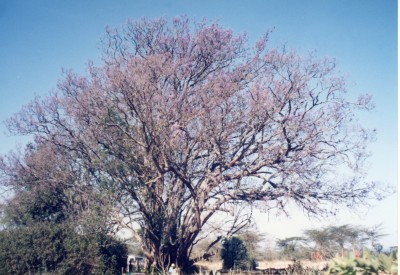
{"points": [[172, 270]]}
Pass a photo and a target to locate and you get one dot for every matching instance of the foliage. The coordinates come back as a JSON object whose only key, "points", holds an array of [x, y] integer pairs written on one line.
{"points": [[323, 241], [53, 227], [58, 249], [342, 236], [326, 242], [234, 255], [368, 264], [184, 120], [27, 208], [290, 248]]}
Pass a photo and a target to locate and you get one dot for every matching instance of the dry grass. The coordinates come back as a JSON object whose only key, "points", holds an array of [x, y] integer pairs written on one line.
{"points": [[265, 264], [210, 265], [285, 264]]}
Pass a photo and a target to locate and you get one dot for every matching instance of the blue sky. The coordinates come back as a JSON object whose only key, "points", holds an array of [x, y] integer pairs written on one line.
{"points": [[39, 38]]}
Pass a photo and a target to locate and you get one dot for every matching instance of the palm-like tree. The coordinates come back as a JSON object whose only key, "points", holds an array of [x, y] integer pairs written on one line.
{"points": [[373, 234], [322, 240], [290, 247], [343, 234]]}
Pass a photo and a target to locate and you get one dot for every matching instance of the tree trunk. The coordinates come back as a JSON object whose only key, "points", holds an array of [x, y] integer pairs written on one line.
{"points": [[185, 265]]}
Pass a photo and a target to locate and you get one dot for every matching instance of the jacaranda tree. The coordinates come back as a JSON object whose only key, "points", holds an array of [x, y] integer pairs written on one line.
{"points": [[183, 120]]}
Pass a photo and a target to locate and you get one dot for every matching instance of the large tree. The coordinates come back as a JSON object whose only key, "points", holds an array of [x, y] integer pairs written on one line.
{"points": [[184, 120]]}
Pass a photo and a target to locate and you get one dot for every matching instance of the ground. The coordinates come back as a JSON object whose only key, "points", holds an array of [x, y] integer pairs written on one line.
{"points": [[266, 264]]}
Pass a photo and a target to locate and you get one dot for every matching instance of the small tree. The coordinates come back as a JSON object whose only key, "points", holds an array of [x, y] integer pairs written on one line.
{"points": [[290, 247], [235, 255]]}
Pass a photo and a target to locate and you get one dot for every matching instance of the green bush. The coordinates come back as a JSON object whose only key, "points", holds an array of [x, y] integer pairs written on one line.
{"points": [[58, 249]]}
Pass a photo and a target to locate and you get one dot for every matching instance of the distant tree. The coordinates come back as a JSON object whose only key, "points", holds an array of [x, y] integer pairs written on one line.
{"points": [[342, 235], [322, 241], [373, 234], [378, 248], [356, 239], [291, 247], [183, 120], [252, 240]]}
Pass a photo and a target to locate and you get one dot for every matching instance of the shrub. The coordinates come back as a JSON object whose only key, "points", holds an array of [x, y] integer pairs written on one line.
{"points": [[59, 249], [368, 264], [235, 255]]}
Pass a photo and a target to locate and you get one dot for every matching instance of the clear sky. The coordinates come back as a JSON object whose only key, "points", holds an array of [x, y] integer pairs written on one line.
{"points": [[39, 38]]}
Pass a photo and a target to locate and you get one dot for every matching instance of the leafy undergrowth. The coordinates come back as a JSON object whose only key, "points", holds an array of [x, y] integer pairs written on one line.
{"points": [[368, 264]]}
